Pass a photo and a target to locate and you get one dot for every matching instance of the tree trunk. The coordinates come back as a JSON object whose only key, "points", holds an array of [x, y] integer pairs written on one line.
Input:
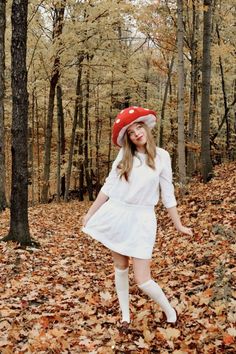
{"points": [[31, 161], [19, 226], [205, 101], [193, 90], [38, 147], [146, 80], [63, 149], [165, 100], [60, 145], [173, 132], [57, 31], [86, 136], [90, 144], [77, 109], [97, 141], [81, 142], [110, 123], [226, 106], [212, 138], [31, 143], [181, 139], [2, 94]]}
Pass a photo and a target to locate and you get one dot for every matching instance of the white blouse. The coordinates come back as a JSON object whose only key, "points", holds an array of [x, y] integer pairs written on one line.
{"points": [[145, 184]]}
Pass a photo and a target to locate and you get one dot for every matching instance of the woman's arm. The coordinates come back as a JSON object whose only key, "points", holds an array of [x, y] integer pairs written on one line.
{"points": [[104, 193], [177, 222], [101, 199]]}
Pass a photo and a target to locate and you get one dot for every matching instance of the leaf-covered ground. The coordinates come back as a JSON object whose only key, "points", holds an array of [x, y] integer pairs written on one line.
{"points": [[60, 298]]}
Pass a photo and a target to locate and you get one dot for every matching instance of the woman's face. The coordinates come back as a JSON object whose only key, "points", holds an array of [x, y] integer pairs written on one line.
{"points": [[137, 134]]}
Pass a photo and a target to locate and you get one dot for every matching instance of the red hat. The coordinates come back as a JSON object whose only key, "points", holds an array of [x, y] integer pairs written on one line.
{"points": [[129, 116]]}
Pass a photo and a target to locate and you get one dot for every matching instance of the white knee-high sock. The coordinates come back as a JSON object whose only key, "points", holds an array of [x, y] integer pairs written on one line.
{"points": [[154, 291], [122, 289]]}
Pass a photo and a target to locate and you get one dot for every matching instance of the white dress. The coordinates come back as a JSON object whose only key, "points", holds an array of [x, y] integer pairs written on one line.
{"points": [[126, 223]]}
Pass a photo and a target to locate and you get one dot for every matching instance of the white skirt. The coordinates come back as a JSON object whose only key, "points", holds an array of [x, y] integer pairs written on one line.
{"points": [[127, 229]]}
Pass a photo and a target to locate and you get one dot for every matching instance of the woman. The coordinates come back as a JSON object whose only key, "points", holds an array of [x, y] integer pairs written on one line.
{"points": [[122, 217]]}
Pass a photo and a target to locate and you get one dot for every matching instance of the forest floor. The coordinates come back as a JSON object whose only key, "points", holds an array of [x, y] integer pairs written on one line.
{"points": [[60, 298]]}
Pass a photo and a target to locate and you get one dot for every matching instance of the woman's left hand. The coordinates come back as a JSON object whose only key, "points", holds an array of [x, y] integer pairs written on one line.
{"points": [[185, 230]]}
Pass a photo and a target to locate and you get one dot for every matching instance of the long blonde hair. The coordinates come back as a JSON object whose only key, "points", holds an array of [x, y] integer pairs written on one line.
{"points": [[126, 164]]}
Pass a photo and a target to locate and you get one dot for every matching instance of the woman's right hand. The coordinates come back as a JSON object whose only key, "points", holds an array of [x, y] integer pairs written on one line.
{"points": [[85, 219], [100, 200]]}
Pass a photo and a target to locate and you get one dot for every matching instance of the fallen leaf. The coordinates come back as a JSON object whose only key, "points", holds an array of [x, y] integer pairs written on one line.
{"points": [[232, 331], [228, 339], [141, 343], [106, 296]]}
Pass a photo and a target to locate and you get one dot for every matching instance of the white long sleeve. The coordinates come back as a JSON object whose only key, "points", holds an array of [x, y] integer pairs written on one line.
{"points": [[167, 188], [113, 175]]}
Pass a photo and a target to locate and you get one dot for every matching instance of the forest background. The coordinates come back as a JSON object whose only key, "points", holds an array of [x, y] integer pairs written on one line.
{"points": [[87, 60], [66, 69]]}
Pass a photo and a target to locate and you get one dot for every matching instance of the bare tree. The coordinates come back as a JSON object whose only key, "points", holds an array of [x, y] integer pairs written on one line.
{"points": [[60, 145], [78, 111], [227, 106], [19, 226], [193, 87], [205, 101], [87, 160], [181, 139], [164, 102], [57, 31], [2, 91]]}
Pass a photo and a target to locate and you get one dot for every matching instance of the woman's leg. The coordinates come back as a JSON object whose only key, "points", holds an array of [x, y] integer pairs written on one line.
{"points": [[142, 276], [121, 264]]}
